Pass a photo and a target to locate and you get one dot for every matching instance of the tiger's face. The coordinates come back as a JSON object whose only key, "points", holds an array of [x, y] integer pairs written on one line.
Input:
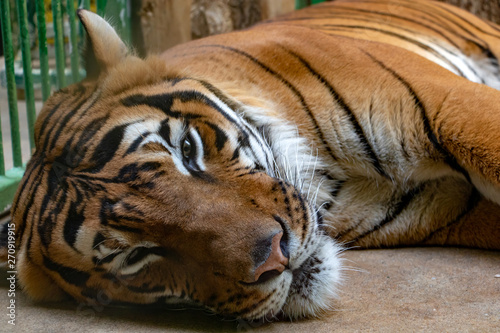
{"points": [[161, 192]]}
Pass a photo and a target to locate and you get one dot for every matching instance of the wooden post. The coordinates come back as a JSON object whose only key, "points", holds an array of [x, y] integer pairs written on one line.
{"points": [[164, 23], [273, 8], [486, 9]]}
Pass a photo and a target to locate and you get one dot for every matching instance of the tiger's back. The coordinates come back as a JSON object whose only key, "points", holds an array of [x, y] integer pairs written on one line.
{"points": [[444, 34]]}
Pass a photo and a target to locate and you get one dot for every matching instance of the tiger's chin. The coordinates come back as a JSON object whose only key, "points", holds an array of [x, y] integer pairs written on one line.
{"points": [[313, 286], [315, 283]]}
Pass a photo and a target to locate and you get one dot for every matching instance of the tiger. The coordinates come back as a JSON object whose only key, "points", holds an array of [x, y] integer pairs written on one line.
{"points": [[231, 172]]}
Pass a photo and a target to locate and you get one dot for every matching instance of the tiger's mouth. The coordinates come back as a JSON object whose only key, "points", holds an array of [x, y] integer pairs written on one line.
{"points": [[315, 283], [308, 290]]}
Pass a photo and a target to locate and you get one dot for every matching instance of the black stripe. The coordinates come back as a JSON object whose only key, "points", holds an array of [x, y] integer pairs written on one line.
{"points": [[108, 258], [438, 21], [4, 233], [32, 179], [165, 132], [253, 306], [410, 40], [367, 147], [220, 136], [146, 289], [139, 253], [290, 86], [60, 126], [137, 142], [131, 172], [53, 111], [68, 274], [447, 156], [394, 211], [106, 149], [98, 239], [164, 102], [125, 228], [232, 104], [466, 21], [473, 201], [45, 123], [338, 186], [74, 221], [88, 133], [382, 22]]}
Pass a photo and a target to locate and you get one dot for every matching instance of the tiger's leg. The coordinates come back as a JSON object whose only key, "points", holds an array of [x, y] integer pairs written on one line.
{"points": [[466, 129], [478, 226], [461, 125]]}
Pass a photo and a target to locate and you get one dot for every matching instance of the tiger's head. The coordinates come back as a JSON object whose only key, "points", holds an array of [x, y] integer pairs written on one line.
{"points": [[150, 187]]}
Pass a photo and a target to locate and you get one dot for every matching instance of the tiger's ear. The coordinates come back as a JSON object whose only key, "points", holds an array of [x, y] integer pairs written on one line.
{"points": [[104, 49]]}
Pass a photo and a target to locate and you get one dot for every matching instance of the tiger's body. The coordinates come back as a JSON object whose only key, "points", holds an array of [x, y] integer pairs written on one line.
{"points": [[225, 172]]}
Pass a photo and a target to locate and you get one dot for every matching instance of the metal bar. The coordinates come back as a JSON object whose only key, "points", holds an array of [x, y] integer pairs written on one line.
{"points": [[2, 158], [59, 42], [42, 48], [11, 84], [126, 22], [85, 4], [302, 3], [9, 184], [75, 62], [29, 92], [101, 7]]}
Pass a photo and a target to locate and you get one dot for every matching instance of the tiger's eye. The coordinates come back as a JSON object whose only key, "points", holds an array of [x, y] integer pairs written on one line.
{"points": [[186, 148]]}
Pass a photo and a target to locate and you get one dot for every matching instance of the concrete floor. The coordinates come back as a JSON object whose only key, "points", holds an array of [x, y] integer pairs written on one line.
{"points": [[397, 290]]}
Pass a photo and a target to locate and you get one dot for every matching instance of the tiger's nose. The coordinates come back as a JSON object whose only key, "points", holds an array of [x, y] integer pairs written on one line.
{"points": [[272, 256]]}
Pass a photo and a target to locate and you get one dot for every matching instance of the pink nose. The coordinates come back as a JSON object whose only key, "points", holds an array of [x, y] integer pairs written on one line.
{"points": [[276, 260]]}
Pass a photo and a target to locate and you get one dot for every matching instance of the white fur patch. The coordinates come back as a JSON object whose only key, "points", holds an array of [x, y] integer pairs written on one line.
{"points": [[315, 264]]}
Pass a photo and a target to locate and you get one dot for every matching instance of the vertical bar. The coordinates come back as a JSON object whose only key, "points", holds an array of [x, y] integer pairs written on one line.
{"points": [[85, 4], [75, 62], [302, 3], [101, 7], [2, 159], [124, 15], [11, 83], [27, 69], [59, 42], [42, 46]]}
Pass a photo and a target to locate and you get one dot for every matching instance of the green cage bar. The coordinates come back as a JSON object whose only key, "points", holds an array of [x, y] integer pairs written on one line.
{"points": [[75, 62], [101, 7], [2, 160], [85, 4], [27, 69], [301, 4], [11, 84], [42, 47], [119, 12], [59, 42], [304, 3]]}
